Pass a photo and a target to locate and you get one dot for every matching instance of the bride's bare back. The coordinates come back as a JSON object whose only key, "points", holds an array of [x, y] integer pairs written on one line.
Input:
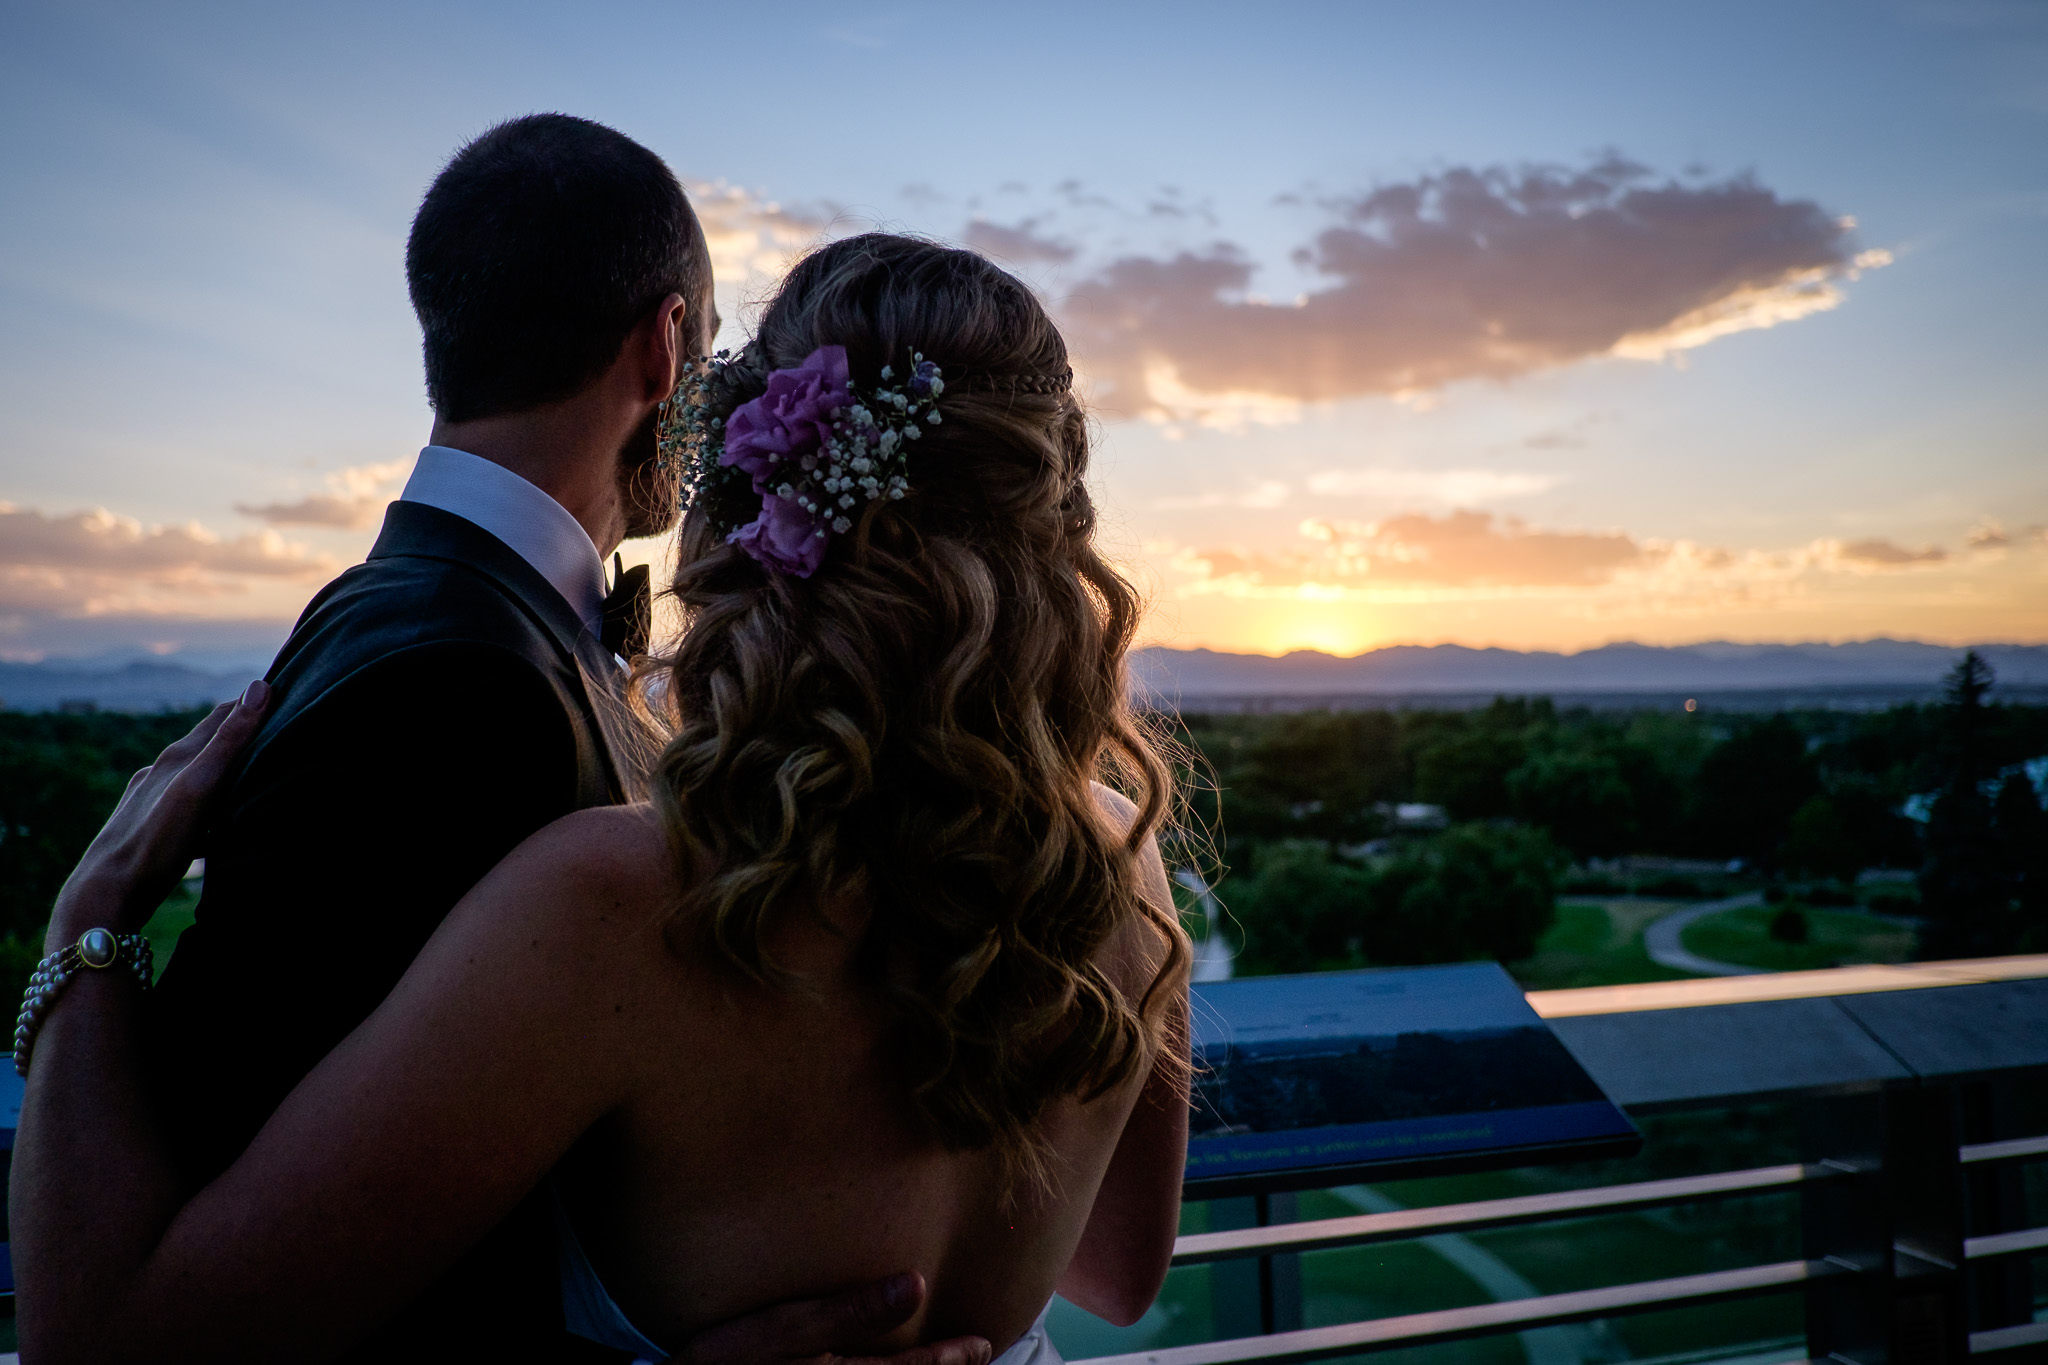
{"points": [[767, 1149]]}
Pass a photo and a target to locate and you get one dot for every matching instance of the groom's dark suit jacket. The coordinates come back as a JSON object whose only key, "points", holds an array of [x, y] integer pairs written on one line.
{"points": [[433, 707]]}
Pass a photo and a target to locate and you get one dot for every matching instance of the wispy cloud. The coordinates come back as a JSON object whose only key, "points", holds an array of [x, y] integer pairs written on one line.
{"points": [[1445, 487], [354, 499], [1467, 274], [1991, 534], [1884, 554], [1266, 493], [1022, 243]]}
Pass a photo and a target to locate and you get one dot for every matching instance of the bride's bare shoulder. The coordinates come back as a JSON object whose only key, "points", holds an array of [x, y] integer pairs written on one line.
{"points": [[1140, 944], [606, 855], [1115, 804]]}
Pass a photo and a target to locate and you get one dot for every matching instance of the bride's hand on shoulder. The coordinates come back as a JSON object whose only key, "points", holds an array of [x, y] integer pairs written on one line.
{"points": [[153, 834]]}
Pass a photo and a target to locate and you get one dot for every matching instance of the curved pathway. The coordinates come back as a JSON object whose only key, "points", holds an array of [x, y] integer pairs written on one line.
{"points": [[1664, 939]]}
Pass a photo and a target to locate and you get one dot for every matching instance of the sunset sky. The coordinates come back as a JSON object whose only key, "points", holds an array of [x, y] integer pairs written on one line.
{"points": [[1537, 326]]}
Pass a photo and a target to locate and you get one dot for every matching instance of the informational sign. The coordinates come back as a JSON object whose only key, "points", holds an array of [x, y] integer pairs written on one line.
{"points": [[1324, 1079]]}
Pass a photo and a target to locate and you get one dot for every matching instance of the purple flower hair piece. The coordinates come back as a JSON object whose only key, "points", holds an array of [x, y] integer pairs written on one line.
{"points": [[793, 419], [815, 448]]}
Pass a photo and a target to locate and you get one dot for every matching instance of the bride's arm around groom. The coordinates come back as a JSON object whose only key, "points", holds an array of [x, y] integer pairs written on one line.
{"points": [[523, 1024], [507, 1040]]}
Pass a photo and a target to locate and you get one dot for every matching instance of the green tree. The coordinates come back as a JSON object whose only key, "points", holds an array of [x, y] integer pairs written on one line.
{"points": [[1474, 891], [1316, 775], [60, 776], [1580, 796], [1750, 786], [2020, 831], [1820, 843], [1299, 906], [1962, 883], [1464, 766]]}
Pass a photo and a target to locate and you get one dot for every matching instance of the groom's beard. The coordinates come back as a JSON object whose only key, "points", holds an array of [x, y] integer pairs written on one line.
{"points": [[649, 494]]}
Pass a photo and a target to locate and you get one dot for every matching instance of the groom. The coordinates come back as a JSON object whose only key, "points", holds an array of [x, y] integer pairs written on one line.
{"points": [[440, 702]]}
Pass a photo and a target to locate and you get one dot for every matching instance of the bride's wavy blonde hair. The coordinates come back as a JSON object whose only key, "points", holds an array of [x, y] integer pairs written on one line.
{"points": [[917, 727]]}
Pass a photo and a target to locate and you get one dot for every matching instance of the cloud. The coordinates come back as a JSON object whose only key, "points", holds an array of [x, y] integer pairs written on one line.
{"points": [[1265, 494], [1884, 554], [1021, 244], [1448, 487], [1080, 196], [1475, 547], [1472, 556], [89, 563], [354, 499], [1992, 535], [1569, 437], [1460, 549], [752, 237], [1467, 274]]}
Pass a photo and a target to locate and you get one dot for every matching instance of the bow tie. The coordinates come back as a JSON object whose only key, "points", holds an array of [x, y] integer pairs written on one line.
{"points": [[628, 611]]}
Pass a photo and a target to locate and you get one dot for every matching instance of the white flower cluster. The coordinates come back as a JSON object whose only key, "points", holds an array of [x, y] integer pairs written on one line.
{"points": [[866, 457]]}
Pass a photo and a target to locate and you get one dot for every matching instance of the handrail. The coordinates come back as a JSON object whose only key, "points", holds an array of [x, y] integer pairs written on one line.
{"points": [[1329, 1233], [1451, 1324], [2014, 1149], [1886, 1035], [2005, 1244], [2008, 1338], [1742, 990]]}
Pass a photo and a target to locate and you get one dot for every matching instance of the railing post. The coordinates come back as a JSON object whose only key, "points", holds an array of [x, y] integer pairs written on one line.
{"points": [[1279, 1276], [1842, 1221], [1236, 1305], [1924, 1182], [1896, 1221], [1255, 1295], [2001, 1293]]}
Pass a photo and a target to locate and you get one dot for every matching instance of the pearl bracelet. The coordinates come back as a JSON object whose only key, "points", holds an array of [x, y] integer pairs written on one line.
{"points": [[96, 950]]}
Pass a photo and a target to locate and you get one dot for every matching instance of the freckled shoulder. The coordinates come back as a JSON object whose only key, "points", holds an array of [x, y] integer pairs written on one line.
{"points": [[601, 859]]}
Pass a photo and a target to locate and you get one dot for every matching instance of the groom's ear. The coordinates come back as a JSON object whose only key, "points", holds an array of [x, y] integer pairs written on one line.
{"points": [[662, 343]]}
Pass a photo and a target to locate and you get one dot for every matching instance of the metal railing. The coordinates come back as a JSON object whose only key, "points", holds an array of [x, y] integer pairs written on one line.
{"points": [[1903, 1078]]}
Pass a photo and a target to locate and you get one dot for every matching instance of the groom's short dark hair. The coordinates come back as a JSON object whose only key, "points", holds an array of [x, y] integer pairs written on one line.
{"points": [[537, 249]]}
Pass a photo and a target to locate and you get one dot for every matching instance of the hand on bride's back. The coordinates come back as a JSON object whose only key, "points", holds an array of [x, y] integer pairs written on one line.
{"points": [[820, 1331]]}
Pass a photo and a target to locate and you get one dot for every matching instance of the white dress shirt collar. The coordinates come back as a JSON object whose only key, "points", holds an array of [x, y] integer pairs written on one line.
{"points": [[537, 528]]}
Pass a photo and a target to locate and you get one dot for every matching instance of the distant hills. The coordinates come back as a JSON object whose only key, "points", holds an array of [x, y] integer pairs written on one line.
{"points": [[1866, 673], [135, 686]]}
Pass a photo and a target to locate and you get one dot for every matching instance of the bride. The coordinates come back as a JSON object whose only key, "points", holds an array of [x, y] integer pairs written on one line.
{"points": [[883, 973]]}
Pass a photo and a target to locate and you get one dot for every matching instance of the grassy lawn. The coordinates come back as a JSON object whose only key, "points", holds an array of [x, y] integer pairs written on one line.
{"points": [[1834, 938], [1596, 943], [171, 919]]}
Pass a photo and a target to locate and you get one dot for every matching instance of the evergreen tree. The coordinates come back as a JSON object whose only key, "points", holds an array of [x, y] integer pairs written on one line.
{"points": [[1964, 891], [2020, 831]]}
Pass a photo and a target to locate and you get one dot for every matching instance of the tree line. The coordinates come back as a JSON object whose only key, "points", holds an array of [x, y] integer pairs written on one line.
{"points": [[1304, 814], [1298, 815]]}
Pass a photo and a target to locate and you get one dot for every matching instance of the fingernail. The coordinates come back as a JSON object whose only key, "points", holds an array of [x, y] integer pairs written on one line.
{"points": [[898, 1290], [255, 693]]}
